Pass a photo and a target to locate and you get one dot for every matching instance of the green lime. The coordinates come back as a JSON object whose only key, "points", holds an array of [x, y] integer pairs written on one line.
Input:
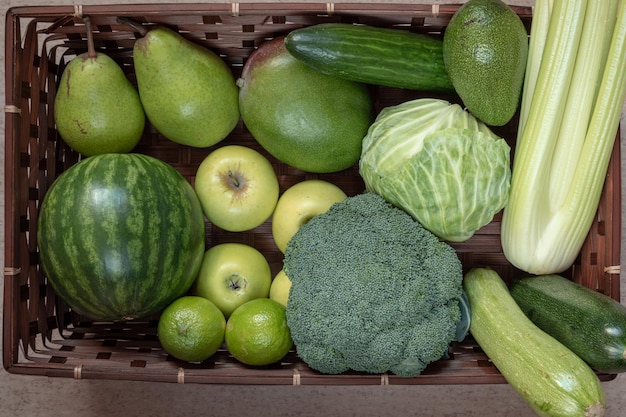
{"points": [[257, 332], [191, 328]]}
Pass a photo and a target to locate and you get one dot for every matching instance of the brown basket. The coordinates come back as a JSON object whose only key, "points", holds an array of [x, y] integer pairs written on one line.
{"points": [[42, 336]]}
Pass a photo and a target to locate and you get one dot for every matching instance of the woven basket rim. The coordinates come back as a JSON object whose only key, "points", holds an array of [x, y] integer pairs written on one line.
{"points": [[43, 338]]}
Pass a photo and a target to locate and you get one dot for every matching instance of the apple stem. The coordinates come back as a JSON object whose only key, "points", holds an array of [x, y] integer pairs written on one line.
{"points": [[91, 49]]}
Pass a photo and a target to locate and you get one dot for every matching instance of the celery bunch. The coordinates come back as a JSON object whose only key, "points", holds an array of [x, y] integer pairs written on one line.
{"points": [[572, 100]]}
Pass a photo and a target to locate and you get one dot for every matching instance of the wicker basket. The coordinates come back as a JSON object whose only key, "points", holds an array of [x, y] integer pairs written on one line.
{"points": [[42, 336]]}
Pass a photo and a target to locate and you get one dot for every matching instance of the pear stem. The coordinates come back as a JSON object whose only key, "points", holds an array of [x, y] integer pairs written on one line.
{"points": [[91, 50], [133, 24]]}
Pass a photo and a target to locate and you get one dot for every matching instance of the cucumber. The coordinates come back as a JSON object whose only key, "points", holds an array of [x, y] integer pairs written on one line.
{"points": [[553, 380], [591, 324], [373, 55]]}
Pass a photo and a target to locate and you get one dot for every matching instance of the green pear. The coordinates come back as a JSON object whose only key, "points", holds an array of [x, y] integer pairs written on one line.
{"points": [[188, 92], [96, 108]]}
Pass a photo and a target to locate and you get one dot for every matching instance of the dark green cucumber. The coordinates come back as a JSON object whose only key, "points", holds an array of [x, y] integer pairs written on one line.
{"points": [[373, 55], [589, 323]]}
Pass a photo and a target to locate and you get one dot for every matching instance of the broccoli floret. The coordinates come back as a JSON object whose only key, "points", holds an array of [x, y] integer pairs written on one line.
{"points": [[372, 290]]}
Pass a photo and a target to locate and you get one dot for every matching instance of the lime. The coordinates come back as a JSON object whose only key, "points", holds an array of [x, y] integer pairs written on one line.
{"points": [[191, 328], [257, 332]]}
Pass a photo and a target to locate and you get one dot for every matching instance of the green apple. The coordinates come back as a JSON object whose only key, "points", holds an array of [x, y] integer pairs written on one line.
{"points": [[231, 274], [279, 291], [298, 204], [237, 187]]}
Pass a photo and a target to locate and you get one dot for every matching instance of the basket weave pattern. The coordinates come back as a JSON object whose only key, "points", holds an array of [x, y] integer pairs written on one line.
{"points": [[42, 336]]}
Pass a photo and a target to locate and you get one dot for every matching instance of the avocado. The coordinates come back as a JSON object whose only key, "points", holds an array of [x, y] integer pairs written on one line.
{"points": [[485, 49]]}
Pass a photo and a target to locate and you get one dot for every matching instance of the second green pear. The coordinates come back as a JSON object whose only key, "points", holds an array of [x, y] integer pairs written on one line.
{"points": [[188, 92]]}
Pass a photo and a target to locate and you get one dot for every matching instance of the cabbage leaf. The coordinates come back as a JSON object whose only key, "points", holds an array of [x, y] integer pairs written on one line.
{"points": [[438, 163]]}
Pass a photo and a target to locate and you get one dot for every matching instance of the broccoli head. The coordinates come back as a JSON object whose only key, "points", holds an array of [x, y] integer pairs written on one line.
{"points": [[372, 290]]}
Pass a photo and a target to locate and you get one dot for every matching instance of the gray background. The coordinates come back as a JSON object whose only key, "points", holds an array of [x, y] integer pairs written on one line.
{"points": [[41, 396]]}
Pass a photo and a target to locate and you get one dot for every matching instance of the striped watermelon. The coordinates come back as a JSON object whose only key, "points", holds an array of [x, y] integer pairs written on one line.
{"points": [[120, 236]]}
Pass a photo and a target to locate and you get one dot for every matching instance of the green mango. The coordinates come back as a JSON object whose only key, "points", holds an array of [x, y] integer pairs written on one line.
{"points": [[188, 92], [311, 121]]}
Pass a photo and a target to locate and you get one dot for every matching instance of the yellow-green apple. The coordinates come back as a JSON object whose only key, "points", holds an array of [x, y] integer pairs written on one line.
{"points": [[237, 187], [279, 291], [231, 274], [298, 204]]}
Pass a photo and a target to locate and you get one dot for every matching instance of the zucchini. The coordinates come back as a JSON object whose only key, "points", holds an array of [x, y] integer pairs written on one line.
{"points": [[549, 377], [373, 55], [591, 324]]}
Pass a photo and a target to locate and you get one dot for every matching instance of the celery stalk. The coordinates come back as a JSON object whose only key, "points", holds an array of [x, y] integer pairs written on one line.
{"points": [[542, 233], [536, 44], [527, 212], [591, 171], [590, 60]]}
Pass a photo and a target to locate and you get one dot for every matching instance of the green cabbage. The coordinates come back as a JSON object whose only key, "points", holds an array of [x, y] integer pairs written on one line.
{"points": [[441, 165]]}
